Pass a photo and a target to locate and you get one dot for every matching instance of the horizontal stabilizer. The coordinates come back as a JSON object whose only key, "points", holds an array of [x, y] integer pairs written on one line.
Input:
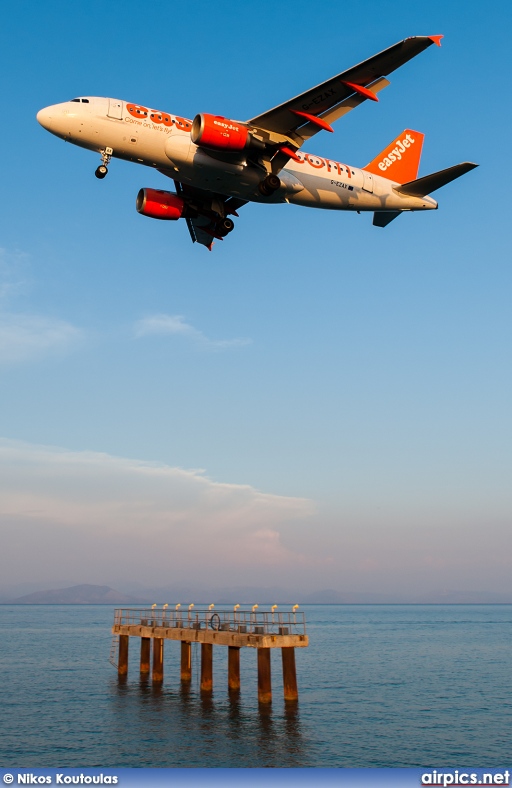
{"points": [[429, 184], [383, 218]]}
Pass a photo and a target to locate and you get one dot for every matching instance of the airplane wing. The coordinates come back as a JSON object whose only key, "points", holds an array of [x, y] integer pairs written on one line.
{"points": [[310, 112], [206, 210]]}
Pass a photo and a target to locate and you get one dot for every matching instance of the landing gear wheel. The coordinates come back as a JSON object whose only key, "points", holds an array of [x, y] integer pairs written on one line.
{"points": [[269, 185], [225, 226], [101, 171]]}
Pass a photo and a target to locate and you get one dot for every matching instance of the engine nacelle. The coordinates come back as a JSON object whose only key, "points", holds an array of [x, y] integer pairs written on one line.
{"points": [[159, 204], [218, 133]]}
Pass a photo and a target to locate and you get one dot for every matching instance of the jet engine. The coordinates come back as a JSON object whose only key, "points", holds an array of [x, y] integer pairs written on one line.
{"points": [[218, 133], [159, 204]]}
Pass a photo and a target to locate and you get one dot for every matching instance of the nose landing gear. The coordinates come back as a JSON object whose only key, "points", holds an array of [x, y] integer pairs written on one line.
{"points": [[102, 170]]}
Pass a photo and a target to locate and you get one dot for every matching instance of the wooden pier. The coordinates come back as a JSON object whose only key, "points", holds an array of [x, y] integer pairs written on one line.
{"points": [[234, 629]]}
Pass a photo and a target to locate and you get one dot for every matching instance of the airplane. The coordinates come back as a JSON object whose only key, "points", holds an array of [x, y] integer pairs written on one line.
{"points": [[219, 165]]}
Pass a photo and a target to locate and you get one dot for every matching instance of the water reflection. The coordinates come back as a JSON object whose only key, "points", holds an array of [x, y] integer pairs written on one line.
{"points": [[291, 711], [184, 693], [156, 690], [224, 728], [234, 701], [206, 704], [292, 727]]}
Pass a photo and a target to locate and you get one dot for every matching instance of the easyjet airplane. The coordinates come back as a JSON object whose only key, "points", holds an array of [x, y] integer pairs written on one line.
{"points": [[218, 165]]}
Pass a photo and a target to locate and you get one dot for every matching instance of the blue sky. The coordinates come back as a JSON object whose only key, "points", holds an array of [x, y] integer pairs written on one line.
{"points": [[353, 382]]}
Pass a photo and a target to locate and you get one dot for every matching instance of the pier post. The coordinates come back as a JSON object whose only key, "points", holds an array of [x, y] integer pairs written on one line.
{"points": [[289, 674], [122, 662], [145, 655], [158, 659], [186, 661], [233, 667], [264, 676], [206, 667]]}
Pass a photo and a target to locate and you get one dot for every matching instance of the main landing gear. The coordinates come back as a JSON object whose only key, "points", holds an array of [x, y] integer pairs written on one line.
{"points": [[224, 226], [102, 170], [269, 185]]}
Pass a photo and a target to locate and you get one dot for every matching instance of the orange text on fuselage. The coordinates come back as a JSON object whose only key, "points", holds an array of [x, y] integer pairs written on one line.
{"points": [[142, 113]]}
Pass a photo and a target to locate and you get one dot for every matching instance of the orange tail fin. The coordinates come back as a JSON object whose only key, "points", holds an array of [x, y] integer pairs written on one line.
{"points": [[400, 161]]}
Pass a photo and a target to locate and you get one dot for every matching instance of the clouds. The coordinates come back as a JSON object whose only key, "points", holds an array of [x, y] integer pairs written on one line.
{"points": [[86, 512], [175, 325], [70, 517], [25, 337], [30, 335], [13, 274]]}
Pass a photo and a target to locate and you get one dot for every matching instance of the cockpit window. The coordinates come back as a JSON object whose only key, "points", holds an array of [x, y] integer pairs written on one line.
{"points": [[85, 101], [76, 100]]}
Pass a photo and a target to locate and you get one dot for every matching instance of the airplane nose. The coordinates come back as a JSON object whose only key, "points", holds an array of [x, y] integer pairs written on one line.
{"points": [[45, 117]]}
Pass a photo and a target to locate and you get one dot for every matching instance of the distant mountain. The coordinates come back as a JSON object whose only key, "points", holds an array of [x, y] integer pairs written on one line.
{"points": [[203, 594], [244, 595], [135, 594], [76, 595]]}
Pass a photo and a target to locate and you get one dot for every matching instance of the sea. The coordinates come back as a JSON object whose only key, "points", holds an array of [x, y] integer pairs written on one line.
{"points": [[379, 686]]}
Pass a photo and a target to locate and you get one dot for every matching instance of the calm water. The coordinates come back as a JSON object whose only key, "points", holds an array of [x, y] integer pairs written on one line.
{"points": [[379, 686]]}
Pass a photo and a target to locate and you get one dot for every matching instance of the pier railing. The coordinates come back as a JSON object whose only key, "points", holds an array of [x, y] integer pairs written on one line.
{"points": [[270, 622]]}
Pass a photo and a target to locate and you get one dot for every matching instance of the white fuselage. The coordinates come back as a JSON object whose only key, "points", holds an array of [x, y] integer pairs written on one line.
{"points": [[162, 141]]}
